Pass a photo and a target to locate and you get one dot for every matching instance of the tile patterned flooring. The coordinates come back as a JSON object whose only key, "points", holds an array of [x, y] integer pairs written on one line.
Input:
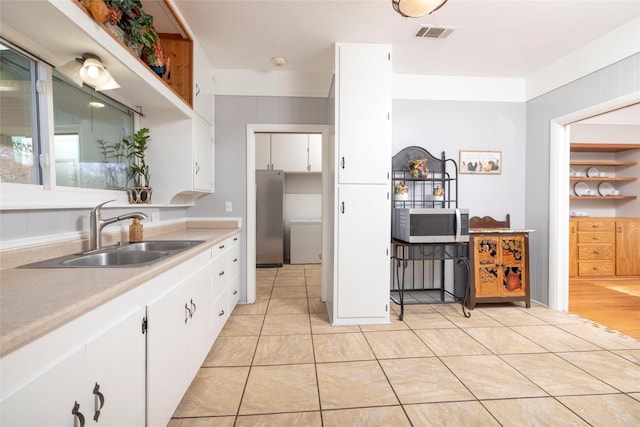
{"points": [[279, 363]]}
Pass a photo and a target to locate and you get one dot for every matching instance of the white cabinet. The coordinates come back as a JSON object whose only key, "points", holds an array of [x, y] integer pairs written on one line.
{"points": [[290, 152], [363, 106], [315, 152], [181, 160], [362, 256], [263, 151], [203, 98], [178, 339], [226, 281], [358, 291], [101, 380]]}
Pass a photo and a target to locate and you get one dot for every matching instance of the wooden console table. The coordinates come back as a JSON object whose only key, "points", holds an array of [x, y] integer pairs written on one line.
{"points": [[499, 259]]}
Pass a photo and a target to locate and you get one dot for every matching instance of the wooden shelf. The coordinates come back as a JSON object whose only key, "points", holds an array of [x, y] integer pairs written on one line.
{"points": [[601, 163], [586, 147], [575, 178], [603, 197]]}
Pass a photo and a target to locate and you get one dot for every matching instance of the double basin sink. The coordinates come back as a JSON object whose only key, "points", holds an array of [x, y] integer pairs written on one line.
{"points": [[122, 255]]}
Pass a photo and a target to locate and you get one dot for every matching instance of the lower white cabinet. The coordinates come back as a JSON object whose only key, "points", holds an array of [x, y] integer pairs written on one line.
{"points": [[128, 362], [178, 339], [102, 381], [361, 288]]}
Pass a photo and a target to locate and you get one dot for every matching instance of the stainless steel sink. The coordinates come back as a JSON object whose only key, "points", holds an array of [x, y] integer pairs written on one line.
{"points": [[124, 255], [115, 259], [160, 245]]}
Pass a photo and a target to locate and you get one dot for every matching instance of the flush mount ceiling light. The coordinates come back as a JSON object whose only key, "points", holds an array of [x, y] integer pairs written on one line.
{"points": [[89, 70], [278, 61], [416, 8]]}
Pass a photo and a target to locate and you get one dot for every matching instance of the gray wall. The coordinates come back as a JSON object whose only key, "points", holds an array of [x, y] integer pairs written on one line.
{"points": [[232, 114], [616, 80]]}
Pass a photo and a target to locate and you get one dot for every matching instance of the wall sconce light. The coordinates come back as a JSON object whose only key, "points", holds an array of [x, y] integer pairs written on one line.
{"points": [[89, 70], [416, 8]]}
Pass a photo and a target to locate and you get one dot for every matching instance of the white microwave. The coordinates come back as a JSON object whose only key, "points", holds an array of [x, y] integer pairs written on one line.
{"points": [[430, 225]]}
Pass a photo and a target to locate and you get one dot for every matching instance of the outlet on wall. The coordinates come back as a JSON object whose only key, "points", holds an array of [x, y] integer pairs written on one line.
{"points": [[228, 207]]}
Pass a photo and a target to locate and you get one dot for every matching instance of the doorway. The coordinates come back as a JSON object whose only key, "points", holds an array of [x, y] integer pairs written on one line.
{"points": [[559, 209], [252, 130]]}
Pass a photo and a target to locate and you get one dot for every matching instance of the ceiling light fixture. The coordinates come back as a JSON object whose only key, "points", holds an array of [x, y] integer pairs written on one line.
{"points": [[416, 8], [278, 61], [89, 70]]}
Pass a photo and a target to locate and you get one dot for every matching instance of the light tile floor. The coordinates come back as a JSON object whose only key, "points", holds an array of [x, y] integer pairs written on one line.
{"points": [[280, 363]]}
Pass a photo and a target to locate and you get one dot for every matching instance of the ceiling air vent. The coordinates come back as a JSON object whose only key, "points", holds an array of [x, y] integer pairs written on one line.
{"points": [[434, 32]]}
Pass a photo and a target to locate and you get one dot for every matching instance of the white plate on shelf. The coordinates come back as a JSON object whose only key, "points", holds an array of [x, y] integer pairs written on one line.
{"points": [[593, 172], [572, 172], [605, 189], [581, 189]]}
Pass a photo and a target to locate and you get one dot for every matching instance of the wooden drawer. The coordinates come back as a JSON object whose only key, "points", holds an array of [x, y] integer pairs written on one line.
{"points": [[592, 252], [596, 225], [596, 237], [596, 268]]}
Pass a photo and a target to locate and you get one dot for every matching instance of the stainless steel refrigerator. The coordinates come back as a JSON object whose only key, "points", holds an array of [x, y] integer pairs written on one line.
{"points": [[269, 218]]}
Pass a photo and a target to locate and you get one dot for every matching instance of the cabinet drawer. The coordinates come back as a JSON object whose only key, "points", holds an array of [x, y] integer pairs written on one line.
{"points": [[596, 268], [596, 237], [596, 226], [589, 252]]}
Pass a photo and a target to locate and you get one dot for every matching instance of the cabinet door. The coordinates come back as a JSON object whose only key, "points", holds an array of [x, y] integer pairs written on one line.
{"points": [[200, 323], [486, 265], [628, 248], [363, 127], [167, 342], [289, 152], [315, 152], [49, 399], [202, 155], [363, 251], [512, 265], [114, 380], [263, 151], [573, 249], [202, 85]]}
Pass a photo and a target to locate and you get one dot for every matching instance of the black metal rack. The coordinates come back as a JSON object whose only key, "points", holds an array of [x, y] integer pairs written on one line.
{"points": [[419, 266]]}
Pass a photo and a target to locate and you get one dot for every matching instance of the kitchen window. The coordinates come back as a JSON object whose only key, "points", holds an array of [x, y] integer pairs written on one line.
{"points": [[85, 150]]}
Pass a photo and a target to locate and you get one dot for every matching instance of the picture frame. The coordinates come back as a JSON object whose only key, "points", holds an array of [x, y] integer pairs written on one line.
{"points": [[482, 162]]}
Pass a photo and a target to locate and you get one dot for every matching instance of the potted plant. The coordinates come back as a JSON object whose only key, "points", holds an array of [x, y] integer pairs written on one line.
{"points": [[136, 147]]}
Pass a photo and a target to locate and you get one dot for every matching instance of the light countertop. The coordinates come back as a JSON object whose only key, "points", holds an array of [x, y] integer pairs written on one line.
{"points": [[34, 302]]}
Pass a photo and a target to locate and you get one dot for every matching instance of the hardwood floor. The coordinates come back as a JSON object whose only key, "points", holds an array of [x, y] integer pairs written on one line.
{"points": [[613, 302]]}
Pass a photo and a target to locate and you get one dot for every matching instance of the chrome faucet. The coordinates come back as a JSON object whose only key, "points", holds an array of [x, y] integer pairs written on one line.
{"points": [[96, 224]]}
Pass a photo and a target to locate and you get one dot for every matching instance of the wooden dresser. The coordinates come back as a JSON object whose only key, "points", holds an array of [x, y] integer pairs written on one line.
{"points": [[604, 247]]}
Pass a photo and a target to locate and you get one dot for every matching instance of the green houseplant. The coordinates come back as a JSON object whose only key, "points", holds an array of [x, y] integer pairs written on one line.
{"points": [[136, 148]]}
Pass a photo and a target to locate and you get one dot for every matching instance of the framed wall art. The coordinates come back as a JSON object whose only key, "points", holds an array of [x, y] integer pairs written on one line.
{"points": [[481, 162]]}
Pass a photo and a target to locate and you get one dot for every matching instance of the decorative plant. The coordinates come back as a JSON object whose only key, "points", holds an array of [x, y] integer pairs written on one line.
{"points": [[137, 26], [136, 147]]}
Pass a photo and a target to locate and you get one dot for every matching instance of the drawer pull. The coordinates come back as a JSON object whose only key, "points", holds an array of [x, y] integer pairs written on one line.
{"points": [[221, 247], [99, 401], [221, 313], [235, 239], [235, 260], [235, 292], [221, 273], [76, 411]]}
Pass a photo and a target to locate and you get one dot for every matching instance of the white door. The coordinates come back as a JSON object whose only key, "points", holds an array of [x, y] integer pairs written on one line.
{"points": [[289, 151], [315, 152], [167, 341], [263, 151], [364, 223], [363, 76], [200, 323], [202, 155], [114, 380]]}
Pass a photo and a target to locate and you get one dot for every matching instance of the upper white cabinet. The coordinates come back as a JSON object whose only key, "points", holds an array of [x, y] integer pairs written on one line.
{"points": [[202, 85], [315, 152], [290, 152], [181, 160], [363, 108]]}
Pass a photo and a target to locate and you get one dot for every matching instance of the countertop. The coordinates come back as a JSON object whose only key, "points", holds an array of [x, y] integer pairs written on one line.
{"points": [[34, 302]]}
